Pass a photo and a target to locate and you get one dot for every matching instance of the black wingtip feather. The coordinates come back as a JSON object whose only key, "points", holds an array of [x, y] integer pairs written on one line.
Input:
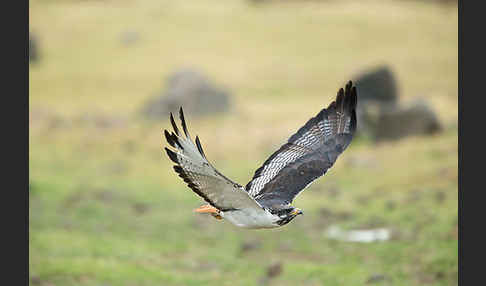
{"points": [[172, 140], [347, 99], [172, 155], [169, 138], [199, 147], [351, 102], [347, 89], [184, 126], [354, 96], [347, 102], [178, 169], [340, 99], [176, 140], [348, 86], [174, 124]]}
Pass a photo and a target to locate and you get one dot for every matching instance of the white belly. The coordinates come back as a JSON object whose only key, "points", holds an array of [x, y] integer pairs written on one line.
{"points": [[251, 218]]}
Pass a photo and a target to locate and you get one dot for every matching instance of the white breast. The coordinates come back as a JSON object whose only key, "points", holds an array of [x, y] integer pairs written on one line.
{"points": [[251, 218]]}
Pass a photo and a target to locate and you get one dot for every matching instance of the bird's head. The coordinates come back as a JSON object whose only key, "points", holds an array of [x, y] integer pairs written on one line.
{"points": [[296, 212], [288, 214]]}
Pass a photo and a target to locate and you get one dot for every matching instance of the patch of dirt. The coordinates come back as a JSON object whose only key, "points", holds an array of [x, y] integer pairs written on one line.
{"points": [[376, 278], [250, 245], [141, 208], [440, 196], [273, 271]]}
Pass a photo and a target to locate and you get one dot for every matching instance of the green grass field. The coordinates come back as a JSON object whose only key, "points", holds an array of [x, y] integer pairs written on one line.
{"points": [[105, 206]]}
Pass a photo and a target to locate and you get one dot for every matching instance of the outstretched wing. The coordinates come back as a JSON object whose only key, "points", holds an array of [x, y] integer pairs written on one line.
{"points": [[308, 154], [200, 175]]}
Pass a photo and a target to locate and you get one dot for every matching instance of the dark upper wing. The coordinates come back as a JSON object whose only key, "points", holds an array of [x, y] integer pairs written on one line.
{"points": [[308, 154], [200, 175]]}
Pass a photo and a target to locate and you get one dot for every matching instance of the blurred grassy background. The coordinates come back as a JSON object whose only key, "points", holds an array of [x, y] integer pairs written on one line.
{"points": [[105, 207]]}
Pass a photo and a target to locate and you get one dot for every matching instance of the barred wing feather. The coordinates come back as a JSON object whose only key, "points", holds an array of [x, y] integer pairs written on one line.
{"points": [[200, 175], [308, 154]]}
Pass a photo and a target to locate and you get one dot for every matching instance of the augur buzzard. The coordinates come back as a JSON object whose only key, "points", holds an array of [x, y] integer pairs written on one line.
{"points": [[265, 202]]}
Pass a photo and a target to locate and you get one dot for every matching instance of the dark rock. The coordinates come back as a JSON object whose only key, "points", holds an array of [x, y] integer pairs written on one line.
{"points": [[33, 48], [439, 275], [377, 84], [368, 115], [377, 89], [379, 115], [274, 270], [140, 208], [397, 122], [376, 278], [440, 196], [250, 245], [191, 90]]}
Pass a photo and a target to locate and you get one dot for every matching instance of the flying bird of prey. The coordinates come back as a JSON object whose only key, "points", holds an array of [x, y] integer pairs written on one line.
{"points": [[265, 202]]}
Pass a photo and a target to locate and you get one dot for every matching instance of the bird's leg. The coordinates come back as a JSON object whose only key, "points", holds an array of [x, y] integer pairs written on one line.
{"points": [[209, 209]]}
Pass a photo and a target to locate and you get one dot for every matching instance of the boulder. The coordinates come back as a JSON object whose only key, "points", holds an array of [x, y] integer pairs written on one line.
{"points": [[379, 114], [193, 91], [377, 84], [377, 89], [401, 121]]}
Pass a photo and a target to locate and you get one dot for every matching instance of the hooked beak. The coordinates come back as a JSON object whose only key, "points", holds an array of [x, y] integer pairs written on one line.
{"points": [[297, 211]]}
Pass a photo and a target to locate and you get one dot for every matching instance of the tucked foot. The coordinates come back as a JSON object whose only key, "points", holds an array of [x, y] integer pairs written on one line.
{"points": [[209, 209]]}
